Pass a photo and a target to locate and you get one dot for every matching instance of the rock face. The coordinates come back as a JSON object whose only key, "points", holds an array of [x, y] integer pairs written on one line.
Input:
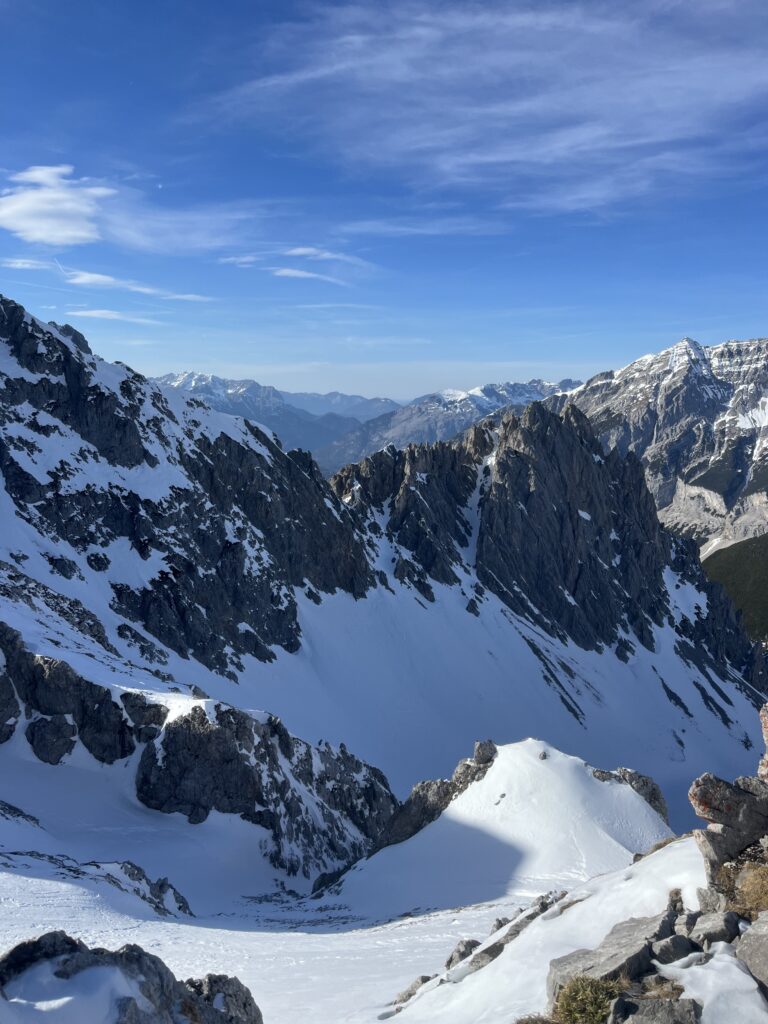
{"points": [[215, 757], [324, 808], [159, 998], [492, 506], [427, 800], [155, 550], [208, 509], [436, 417], [696, 417]]}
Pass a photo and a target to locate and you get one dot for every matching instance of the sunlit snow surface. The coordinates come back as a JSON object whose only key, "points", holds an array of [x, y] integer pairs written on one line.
{"points": [[531, 825]]}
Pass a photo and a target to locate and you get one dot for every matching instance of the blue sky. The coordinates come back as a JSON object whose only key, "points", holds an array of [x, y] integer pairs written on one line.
{"points": [[386, 197]]}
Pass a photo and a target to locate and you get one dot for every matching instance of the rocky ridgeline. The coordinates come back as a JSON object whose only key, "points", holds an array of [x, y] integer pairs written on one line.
{"points": [[436, 417], [566, 536], [116, 474], [158, 997], [214, 757]]}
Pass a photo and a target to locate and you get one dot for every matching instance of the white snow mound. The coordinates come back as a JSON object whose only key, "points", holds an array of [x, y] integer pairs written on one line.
{"points": [[538, 820]]}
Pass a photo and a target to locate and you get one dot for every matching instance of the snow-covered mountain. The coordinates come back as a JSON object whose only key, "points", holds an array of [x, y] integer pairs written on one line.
{"points": [[166, 570], [294, 426], [434, 417], [158, 544], [697, 417]]}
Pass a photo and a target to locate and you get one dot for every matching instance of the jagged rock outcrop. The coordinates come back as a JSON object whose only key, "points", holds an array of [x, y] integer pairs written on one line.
{"points": [[215, 757], [647, 787], [502, 506], [427, 800], [105, 465], [323, 807], [157, 997], [738, 820], [436, 417]]}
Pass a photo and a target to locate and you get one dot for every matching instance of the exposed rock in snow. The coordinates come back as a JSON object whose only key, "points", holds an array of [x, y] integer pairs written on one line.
{"points": [[548, 820], [60, 977], [155, 546]]}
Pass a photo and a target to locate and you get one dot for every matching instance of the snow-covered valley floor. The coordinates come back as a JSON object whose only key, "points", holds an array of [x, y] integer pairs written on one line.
{"points": [[538, 821]]}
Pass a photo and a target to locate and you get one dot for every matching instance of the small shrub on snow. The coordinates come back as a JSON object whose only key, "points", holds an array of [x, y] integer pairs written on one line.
{"points": [[585, 1000]]}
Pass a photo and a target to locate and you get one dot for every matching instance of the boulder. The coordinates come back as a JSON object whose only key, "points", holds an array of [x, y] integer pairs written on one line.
{"points": [[498, 924], [675, 947], [718, 927], [463, 949], [413, 988], [753, 949], [625, 951], [216, 999], [486, 956], [229, 996], [654, 1011]]}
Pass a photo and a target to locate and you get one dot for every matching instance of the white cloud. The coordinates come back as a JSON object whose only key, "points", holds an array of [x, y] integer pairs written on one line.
{"points": [[47, 205], [112, 314], [403, 227], [559, 105], [304, 275], [25, 264], [88, 279], [311, 252], [246, 260]]}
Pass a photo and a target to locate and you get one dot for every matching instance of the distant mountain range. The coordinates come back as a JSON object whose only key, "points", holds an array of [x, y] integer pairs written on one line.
{"points": [[434, 417], [339, 428], [303, 420]]}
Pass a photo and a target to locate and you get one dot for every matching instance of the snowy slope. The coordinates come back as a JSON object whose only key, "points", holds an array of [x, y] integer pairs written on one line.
{"points": [[538, 821], [452, 593], [329, 956]]}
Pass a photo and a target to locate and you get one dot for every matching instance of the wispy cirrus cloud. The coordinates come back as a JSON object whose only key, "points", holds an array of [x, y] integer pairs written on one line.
{"points": [[311, 252], [113, 314], [91, 279], [424, 226], [304, 275], [49, 205], [556, 105]]}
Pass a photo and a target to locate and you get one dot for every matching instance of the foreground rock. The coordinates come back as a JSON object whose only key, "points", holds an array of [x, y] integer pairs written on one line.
{"points": [[624, 953], [156, 997]]}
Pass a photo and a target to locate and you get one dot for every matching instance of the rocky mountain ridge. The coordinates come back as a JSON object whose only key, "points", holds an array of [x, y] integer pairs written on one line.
{"points": [[697, 417], [155, 546], [434, 417]]}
